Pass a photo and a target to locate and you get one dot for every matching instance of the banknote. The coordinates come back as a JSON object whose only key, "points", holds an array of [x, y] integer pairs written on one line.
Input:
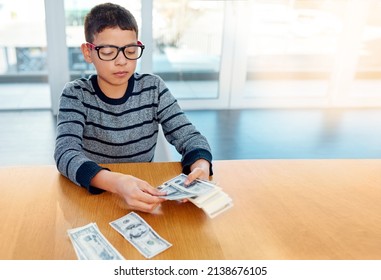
{"points": [[176, 188], [174, 193], [90, 244], [140, 235]]}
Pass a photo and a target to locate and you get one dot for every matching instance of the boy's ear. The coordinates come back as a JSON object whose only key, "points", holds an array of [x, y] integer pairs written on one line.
{"points": [[86, 53]]}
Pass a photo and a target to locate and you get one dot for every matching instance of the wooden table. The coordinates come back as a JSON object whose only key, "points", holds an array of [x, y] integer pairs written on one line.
{"points": [[283, 209]]}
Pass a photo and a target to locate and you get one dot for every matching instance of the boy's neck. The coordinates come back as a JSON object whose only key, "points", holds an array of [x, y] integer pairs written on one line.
{"points": [[113, 91]]}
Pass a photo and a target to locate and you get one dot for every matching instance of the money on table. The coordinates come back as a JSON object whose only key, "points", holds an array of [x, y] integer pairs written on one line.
{"points": [[141, 235], [90, 244]]}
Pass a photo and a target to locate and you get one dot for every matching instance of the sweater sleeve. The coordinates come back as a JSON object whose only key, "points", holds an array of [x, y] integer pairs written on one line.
{"points": [[69, 156], [180, 132]]}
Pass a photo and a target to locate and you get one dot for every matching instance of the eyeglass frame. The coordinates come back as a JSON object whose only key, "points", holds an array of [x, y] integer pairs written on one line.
{"points": [[97, 48]]}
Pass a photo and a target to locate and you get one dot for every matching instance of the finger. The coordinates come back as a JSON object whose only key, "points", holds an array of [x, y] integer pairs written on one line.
{"points": [[157, 192], [148, 198], [147, 188], [193, 176], [143, 201]]}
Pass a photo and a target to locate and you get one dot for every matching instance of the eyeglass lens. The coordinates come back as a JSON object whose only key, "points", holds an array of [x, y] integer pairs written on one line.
{"points": [[110, 52]]}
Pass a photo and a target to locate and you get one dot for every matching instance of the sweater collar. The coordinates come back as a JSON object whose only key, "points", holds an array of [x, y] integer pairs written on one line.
{"points": [[109, 100]]}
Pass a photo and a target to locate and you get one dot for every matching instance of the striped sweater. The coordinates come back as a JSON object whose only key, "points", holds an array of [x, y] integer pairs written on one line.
{"points": [[93, 128]]}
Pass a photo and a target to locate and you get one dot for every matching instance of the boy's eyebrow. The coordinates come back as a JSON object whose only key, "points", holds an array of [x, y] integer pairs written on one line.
{"points": [[137, 42], [115, 46], [109, 44]]}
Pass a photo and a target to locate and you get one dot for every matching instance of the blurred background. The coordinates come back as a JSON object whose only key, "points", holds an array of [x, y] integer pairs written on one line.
{"points": [[243, 70]]}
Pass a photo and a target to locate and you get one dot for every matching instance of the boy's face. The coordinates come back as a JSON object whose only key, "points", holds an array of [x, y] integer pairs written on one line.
{"points": [[115, 72]]}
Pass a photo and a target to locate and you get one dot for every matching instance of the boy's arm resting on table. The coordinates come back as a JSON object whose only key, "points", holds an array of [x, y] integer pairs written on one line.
{"points": [[86, 173], [138, 194]]}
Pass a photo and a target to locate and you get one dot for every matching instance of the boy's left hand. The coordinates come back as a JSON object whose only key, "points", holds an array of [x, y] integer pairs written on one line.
{"points": [[199, 170]]}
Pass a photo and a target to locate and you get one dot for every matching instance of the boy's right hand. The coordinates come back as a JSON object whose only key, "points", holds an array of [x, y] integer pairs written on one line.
{"points": [[138, 194]]}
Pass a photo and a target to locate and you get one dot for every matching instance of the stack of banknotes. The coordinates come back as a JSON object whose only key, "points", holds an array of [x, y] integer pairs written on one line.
{"points": [[204, 194]]}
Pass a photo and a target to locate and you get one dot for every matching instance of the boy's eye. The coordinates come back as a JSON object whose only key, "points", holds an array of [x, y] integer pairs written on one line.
{"points": [[108, 51], [130, 50]]}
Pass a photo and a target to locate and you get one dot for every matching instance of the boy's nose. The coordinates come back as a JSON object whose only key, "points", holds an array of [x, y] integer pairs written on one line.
{"points": [[120, 58]]}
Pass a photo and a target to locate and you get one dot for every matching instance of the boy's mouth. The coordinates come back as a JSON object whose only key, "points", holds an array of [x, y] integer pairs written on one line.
{"points": [[121, 73]]}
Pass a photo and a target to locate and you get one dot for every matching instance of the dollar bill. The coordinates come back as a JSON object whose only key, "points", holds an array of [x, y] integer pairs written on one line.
{"points": [[176, 188], [174, 193], [140, 235], [90, 244]]}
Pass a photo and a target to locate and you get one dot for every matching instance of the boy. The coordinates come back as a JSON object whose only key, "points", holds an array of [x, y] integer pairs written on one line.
{"points": [[113, 116]]}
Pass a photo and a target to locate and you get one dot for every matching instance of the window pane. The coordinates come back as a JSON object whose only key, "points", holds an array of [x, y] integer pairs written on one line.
{"points": [[292, 46], [187, 38], [22, 38], [23, 64], [368, 70]]}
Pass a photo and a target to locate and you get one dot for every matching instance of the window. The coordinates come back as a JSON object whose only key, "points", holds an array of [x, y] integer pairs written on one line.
{"points": [[306, 53], [187, 46], [23, 83], [222, 54], [22, 50], [367, 70]]}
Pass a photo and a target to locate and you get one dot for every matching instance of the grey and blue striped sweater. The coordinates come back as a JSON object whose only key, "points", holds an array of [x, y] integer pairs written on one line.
{"points": [[93, 128]]}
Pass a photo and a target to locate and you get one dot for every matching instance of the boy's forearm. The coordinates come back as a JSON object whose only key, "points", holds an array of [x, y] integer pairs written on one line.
{"points": [[105, 180]]}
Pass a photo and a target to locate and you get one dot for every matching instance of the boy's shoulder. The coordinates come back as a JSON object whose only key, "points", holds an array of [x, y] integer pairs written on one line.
{"points": [[148, 81], [145, 77], [81, 83], [80, 87]]}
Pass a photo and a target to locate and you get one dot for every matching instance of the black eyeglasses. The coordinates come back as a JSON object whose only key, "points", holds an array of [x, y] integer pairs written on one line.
{"points": [[110, 52]]}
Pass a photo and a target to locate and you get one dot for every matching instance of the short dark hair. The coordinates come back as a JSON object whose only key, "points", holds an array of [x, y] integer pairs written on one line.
{"points": [[108, 15]]}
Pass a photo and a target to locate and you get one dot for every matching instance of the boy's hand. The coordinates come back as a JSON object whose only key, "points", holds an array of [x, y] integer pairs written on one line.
{"points": [[199, 170], [138, 194]]}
